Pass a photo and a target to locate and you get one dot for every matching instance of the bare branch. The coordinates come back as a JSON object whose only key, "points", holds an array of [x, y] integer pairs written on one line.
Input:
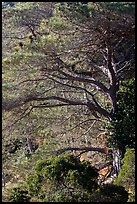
{"points": [[102, 87], [80, 123], [98, 149], [26, 112], [76, 78], [71, 86], [53, 106], [9, 105], [67, 101]]}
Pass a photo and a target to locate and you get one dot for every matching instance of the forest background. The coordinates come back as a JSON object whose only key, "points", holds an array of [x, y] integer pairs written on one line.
{"points": [[68, 83]]}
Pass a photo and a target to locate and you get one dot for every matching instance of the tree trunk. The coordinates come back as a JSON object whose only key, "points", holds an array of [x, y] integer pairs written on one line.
{"points": [[29, 146], [116, 162]]}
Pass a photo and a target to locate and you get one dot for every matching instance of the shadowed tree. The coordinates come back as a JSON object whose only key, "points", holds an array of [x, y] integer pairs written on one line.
{"points": [[76, 60]]}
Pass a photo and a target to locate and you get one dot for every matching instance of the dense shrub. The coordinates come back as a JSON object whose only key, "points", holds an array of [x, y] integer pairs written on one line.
{"points": [[65, 179], [126, 176], [123, 123], [110, 193]]}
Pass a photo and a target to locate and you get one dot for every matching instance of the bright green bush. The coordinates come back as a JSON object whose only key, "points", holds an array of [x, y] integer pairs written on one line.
{"points": [[126, 176]]}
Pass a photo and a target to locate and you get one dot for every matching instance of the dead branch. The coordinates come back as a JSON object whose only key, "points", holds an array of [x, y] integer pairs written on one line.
{"points": [[98, 149]]}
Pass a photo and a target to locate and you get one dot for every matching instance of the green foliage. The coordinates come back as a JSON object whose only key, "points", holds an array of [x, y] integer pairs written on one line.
{"points": [[83, 10], [122, 7], [123, 123], [18, 195], [65, 196], [65, 179], [72, 31], [67, 169], [111, 193], [34, 184], [77, 10], [62, 178], [126, 176]]}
